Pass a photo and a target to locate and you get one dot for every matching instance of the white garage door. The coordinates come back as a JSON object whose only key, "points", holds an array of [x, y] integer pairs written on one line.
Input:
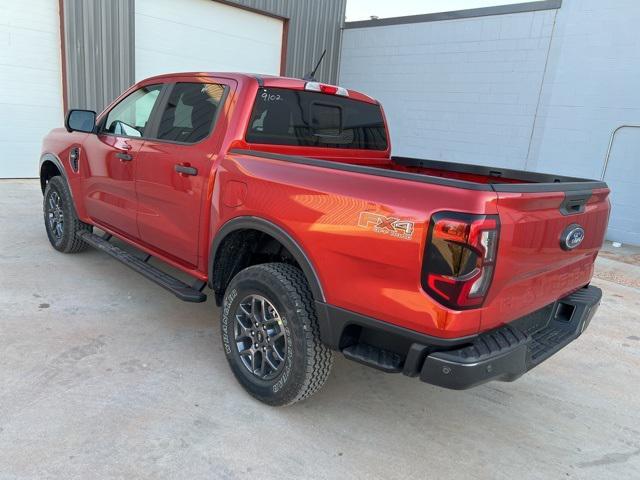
{"points": [[30, 82], [204, 36]]}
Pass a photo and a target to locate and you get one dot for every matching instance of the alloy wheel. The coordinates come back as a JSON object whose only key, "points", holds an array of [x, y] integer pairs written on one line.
{"points": [[260, 337], [55, 215]]}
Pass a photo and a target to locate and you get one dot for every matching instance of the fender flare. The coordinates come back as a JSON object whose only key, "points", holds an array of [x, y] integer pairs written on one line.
{"points": [[281, 235], [50, 157]]}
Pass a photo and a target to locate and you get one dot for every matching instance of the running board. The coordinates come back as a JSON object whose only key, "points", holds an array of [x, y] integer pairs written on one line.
{"points": [[375, 357], [180, 289]]}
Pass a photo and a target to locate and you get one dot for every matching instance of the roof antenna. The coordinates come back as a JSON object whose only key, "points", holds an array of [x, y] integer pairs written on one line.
{"points": [[311, 77]]}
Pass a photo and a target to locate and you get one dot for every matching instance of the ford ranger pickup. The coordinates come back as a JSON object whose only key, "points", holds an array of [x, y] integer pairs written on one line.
{"points": [[281, 197]]}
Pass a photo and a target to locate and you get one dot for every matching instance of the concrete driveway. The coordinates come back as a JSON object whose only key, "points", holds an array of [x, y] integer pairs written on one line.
{"points": [[105, 375]]}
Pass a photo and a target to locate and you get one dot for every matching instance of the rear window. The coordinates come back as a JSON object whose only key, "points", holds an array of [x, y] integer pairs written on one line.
{"points": [[313, 119]]}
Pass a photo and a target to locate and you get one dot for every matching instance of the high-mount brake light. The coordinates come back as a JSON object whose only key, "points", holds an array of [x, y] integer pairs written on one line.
{"points": [[460, 258], [324, 88]]}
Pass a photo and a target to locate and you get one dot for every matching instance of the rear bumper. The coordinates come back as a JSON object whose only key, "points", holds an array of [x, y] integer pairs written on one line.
{"points": [[501, 354], [509, 351]]}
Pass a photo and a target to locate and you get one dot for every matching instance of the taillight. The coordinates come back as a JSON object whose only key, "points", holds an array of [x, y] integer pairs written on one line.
{"points": [[460, 258], [324, 88]]}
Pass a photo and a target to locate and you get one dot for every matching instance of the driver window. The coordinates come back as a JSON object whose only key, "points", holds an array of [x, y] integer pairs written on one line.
{"points": [[129, 118]]}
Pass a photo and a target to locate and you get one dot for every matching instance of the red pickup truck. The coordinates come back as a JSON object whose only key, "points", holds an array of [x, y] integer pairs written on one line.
{"points": [[281, 195]]}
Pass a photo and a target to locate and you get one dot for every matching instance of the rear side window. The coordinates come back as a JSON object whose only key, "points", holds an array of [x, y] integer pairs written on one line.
{"points": [[190, 112], [313, 119]]}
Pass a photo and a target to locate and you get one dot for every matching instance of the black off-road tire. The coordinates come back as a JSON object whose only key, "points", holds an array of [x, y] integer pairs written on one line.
{"points": [[307, 361], [65, 240]]}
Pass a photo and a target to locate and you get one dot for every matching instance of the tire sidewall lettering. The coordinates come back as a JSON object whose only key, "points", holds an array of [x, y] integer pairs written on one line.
{"points": [[228, 301], [306, 362], [286, 373]]}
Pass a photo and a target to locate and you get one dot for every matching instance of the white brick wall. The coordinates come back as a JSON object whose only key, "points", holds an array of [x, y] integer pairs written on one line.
{"points": [[592, 86], [459, 90], [476, 91]]}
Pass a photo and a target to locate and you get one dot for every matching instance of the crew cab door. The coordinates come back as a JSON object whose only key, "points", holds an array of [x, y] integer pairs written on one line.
{"points": [[174, 166], [109, 179]]}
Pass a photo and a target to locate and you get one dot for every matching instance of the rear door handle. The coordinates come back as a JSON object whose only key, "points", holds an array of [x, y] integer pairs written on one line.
{"points": [[125, 157], [185, 170]]}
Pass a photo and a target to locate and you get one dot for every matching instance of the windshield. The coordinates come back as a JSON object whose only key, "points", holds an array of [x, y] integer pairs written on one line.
{"points": [[313, 119]]}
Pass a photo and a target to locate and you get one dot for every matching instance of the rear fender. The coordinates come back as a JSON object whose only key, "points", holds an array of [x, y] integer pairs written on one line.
{"points": [[259, 224]]}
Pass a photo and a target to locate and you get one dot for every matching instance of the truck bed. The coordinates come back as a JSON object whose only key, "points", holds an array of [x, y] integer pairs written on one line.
{"points": [[468, 176], [478, 173], [532, 269]]}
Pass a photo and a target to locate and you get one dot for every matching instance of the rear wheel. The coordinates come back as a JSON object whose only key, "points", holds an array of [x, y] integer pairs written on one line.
{"points": [[271, 336], [60, 218]]}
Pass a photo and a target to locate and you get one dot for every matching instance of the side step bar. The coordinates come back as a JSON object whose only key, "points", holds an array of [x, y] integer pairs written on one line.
{"points": [[375, 357], [180, 289]]}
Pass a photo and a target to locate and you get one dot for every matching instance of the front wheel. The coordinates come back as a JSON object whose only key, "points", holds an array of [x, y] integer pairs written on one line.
{"points": [[60, 218], [271, 336]]}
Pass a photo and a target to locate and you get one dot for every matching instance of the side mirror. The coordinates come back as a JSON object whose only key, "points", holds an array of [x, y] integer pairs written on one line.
{"points": [[80, 121]]}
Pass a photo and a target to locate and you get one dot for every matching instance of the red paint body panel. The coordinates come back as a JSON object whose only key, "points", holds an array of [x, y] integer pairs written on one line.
{"points": [[109, 183], [531, 268], [176, 218], [376, 275], [169, 202]]}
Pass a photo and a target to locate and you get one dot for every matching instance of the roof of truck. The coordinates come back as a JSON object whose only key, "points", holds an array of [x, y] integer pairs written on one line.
{"points": [[273, 81]]}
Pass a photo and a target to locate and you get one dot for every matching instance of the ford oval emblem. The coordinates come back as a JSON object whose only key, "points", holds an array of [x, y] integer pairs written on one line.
{"points": [[571, 237]]}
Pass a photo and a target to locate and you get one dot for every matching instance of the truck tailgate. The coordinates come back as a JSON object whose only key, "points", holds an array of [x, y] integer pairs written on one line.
{"points": [[534, 265]]}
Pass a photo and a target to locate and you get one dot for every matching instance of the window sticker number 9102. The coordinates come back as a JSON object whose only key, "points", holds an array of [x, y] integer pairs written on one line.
{"points": [[271, 97]]}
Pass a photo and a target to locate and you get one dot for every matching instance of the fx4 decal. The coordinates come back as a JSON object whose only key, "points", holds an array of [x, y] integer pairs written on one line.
{"points": [[387, 225]]}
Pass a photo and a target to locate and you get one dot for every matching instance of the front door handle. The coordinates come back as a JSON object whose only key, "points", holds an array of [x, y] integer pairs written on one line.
{"points": [[125, 157], [185, 170]]}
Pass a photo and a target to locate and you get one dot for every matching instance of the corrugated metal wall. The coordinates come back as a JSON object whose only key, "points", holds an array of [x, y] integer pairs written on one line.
{"points": [[99, 47], [313, 26], [99, 43]]}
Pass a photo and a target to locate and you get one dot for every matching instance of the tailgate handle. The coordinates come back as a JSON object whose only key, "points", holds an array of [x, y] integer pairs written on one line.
{"points": [[574, 202]]}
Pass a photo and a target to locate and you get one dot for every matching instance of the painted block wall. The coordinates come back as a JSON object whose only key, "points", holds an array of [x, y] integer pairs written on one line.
{"points": [[459, 90], [538, 91], [592, 86]]}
